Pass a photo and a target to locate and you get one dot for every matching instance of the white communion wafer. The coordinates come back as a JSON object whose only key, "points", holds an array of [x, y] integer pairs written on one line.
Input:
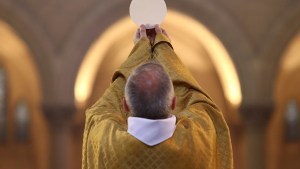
{"points": [[148, 12]]}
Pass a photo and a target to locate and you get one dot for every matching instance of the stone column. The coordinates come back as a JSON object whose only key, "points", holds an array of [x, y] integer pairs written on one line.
{"points": [[256, 118], [60, 122]]}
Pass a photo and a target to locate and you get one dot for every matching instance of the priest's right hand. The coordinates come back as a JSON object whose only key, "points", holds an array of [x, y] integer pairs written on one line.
{"points": [[140, 33], [158, 29]]}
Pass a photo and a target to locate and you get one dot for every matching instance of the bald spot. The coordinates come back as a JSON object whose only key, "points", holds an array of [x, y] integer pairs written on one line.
{"points": [[148, 81]]}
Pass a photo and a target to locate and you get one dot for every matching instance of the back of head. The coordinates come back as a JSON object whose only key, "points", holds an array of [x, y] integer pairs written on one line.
{"points": [[149, 92]]}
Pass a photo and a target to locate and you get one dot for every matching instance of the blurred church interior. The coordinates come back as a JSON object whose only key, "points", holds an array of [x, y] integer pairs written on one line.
{"points": [[57, 57]]}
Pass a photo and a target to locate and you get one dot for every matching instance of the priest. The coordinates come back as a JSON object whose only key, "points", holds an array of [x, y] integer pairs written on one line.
{"points": [[155, 115]]}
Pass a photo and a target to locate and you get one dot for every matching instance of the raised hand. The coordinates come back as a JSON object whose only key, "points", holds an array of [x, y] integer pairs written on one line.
{"points": [[158, 29], [140, 33]]}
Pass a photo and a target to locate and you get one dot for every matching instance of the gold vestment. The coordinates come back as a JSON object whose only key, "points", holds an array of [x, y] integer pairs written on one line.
{"points": [[201, 139]]}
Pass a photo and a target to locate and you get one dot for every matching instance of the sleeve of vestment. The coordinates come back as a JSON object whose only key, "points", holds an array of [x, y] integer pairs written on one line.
{"points": [[194, 104], [109, 106]]}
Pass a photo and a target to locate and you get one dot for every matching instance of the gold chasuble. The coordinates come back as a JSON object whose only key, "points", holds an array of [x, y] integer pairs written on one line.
{"points": [[201, 139]]}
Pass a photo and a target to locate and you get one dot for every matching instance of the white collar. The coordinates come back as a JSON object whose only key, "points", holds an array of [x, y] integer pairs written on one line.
{"points": [[151, 132]]}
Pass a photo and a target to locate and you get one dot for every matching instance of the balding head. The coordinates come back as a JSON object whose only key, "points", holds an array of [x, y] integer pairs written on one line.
{"points": [[149, 92]]}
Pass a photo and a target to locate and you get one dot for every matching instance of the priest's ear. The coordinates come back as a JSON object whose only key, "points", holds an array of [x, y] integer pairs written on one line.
{"points": [[126, 107], [173, 104]]}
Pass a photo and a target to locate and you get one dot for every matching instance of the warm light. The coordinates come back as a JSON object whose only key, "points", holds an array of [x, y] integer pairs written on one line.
{"points": [[177, 25], [93, 59], [11, 39], [219, 56], [292, 59], [17, 61]]}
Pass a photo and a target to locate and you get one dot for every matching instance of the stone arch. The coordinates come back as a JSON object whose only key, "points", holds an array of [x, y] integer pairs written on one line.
{"points": [[211, 15], [218, 21], [279, 151], [23, 84], [280, 36], [276, 43], [102, 49], [23, 22], [199, 32], [222, 23]]}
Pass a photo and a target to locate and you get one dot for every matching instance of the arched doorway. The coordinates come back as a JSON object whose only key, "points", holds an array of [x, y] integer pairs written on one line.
{"points": [[283, 149], [200, 50], [207, 45], [25, 140]]}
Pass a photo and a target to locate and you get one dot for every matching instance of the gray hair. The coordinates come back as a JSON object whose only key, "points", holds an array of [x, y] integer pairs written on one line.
{"points": [[149, 92]]}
